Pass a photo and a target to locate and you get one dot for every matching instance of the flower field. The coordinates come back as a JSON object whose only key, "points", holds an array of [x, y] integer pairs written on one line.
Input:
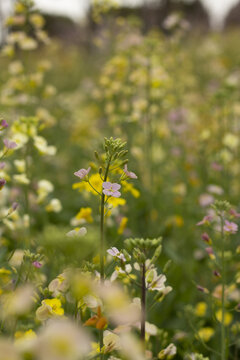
{"points": [[119, 191]]}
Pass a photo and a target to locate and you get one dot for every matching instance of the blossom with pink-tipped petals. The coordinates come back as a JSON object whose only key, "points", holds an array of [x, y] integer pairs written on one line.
{"points": [[129, 174], [82, 173], [110, 189], [230, 227]]}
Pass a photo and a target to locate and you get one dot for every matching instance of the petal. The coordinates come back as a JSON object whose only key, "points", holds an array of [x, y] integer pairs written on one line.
{"points": [[116, 194], [107, 185], [116, 186], [108, 192]]}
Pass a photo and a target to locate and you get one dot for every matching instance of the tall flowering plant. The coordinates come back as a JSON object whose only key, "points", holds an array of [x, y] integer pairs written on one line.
{"points": [[220, 250], [112, 169]]}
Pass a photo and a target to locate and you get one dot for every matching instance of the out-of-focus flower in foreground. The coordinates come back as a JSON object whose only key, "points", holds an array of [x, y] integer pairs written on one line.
{"points": [[230, 227]]}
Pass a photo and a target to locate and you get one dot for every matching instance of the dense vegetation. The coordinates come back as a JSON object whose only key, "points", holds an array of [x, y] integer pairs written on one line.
{"points": [[119, 180]]}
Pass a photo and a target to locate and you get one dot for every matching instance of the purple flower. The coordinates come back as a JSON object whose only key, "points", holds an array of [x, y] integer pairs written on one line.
{"points": [[202, 289], [110, 189], [14, 206], [4, 124], [37, 264], [82, 173], [2, 183], [205, 220], [129, 174], [9, 144], [2, 165], [216, 273], [230, 227]]}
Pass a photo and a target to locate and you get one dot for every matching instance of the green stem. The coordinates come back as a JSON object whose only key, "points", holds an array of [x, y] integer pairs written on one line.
{"points": [[223, 342], [143, 306], [102, 246]]}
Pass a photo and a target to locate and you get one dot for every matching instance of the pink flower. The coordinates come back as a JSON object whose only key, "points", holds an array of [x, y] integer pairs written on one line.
{"points": [[4, 124], [37, 264], [82, 173], [2, 165], [2, 183], [206, 238], [205, 220], [216, 273], [9, 144], [129, 174], [110, 189], [202, 289], [234, 213], [210, 252], [206, 200], [230, 227], [217, 167]]}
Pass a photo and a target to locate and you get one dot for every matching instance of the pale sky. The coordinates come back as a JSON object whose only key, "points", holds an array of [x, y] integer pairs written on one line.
{"points": [[76, 8]]}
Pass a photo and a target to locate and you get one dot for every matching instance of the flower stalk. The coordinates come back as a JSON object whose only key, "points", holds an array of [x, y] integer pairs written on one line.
{"points": [[223, 340]]}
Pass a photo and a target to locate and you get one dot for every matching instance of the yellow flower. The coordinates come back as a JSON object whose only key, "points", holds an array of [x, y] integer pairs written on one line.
{"points": [[49, 308], [201, 309], [128, 187], [231, 141], [122, 225], [116, 201], [85, 214], [95, 181], [206, 333], [37, 20], [227, 317], [29, 334]]}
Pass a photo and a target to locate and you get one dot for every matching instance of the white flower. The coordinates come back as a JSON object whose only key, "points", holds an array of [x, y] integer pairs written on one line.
{"points": [[54, 206], [21, 179], [113, 251], [44, 188], [77, 232], [41, 144], [20, 165], [168, 353]]}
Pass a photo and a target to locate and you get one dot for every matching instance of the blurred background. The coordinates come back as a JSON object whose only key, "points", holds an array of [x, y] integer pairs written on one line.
{"points": [[214, 14]]}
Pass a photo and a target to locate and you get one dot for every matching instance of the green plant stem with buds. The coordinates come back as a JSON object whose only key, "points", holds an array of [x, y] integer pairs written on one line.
{"points": [[102, 245], [102, 230]]}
